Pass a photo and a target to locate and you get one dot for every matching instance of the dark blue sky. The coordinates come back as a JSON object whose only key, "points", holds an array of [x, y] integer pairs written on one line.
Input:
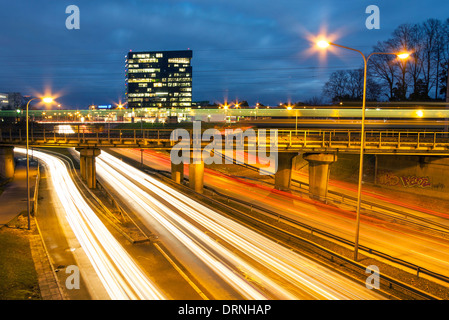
{"points": [[246, 50]]}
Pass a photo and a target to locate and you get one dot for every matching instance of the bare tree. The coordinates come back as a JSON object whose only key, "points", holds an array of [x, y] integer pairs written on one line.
{"points": [[335, 88], [383, 68], [417, 76], [348, 85]]}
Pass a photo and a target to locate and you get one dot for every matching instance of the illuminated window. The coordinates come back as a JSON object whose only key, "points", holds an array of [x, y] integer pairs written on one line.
{"points": [[150, 60], [179, 60]]}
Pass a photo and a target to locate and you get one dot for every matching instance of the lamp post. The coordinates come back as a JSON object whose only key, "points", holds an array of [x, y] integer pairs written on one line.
{"points": [[46, 100], [402, 56]]}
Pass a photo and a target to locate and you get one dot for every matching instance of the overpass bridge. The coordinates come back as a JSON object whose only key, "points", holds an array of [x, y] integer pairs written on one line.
{"points": [[398, 142], [319, 147]]}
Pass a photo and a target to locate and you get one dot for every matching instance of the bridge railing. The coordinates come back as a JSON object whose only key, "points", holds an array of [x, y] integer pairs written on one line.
{"points": [[377, 139], [308, 138]]}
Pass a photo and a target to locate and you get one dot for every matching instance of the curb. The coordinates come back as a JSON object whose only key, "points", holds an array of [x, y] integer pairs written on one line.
{"points": [[48, 282]]}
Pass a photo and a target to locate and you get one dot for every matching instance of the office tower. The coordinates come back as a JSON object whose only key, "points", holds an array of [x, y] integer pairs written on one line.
{"points": [[159, 79]]}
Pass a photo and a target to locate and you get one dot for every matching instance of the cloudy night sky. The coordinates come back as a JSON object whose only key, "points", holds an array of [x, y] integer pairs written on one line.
{"points": [[247, 50]]}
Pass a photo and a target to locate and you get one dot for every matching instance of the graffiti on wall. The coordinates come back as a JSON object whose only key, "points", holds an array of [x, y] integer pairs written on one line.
{"points": [[414, 181], [387, 178]]}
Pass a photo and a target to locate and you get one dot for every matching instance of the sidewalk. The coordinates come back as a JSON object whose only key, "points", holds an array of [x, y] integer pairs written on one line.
{"points": [[13, 200], [48, 284]]}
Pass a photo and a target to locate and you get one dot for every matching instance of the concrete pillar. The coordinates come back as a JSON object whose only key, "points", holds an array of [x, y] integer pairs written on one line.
{"points": [[87, 165], [319, 173], [177, 172], [196, 172], [83, 167], [283, 175], [7, 162]]}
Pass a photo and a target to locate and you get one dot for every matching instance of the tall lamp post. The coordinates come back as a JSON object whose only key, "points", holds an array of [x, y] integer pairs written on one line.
{"points": [[45, 100], [402, 56]]}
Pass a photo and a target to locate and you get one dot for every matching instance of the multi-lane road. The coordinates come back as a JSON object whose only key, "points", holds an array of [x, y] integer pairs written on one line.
{"points": [[119, 274], [218, 252], [419, 248], [219, 257]]}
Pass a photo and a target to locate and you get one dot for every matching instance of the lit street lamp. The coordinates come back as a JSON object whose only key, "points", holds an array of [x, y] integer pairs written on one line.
{"points": [[324, 44], [45, 100]]}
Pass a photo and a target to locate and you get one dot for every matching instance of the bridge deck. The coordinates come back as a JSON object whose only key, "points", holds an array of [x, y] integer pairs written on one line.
{"points": [[376, 141]]}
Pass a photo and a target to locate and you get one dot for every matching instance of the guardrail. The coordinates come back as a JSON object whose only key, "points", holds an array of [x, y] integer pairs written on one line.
{"points": [[415, 267], [331, 139], [333, 256], [279, 217], [344, 197]]}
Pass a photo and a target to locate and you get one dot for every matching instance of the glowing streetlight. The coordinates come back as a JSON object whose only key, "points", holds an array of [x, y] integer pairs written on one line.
{"points": [[323, 44], [45, 100], [403, 56]]}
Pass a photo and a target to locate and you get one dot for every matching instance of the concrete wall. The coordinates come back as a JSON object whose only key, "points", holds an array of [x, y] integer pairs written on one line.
{"points": [[421, 175], [7, 162]]}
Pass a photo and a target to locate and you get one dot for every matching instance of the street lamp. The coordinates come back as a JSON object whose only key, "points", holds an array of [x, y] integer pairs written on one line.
{"points": [[45, 100], [403, 56]]}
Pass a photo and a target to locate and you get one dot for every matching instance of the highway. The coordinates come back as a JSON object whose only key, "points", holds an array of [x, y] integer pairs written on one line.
{"points": [[404, 243], [120, 275], [230, 260]]}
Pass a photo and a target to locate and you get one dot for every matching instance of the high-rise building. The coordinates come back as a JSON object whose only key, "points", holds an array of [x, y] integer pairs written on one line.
{"points": [[159, 79]]}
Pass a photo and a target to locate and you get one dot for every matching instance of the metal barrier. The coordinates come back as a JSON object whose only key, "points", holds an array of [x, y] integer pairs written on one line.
{"points": [[278, 216], [329, 140]]}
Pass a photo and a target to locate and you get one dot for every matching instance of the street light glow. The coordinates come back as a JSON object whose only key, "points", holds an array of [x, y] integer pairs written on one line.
{"points": [[323, 44], [47, 100], [403, 56]]}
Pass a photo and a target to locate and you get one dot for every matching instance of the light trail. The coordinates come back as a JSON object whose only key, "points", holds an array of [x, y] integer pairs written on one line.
{"points": [[64, 129], [281, 272], [377, 235], [118, 272]]}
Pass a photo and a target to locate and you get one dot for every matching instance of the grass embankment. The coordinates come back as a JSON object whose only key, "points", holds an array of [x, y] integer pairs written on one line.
{"points": [[18, 277]]}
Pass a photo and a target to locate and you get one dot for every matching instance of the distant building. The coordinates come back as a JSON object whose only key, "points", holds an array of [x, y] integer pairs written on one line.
{"points": [[4, 103], [11, 100], [159, 79]]}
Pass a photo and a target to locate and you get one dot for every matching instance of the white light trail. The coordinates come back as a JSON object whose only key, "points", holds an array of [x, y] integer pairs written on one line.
{"points": [[64, 128], [118, 272], [299, 272]]}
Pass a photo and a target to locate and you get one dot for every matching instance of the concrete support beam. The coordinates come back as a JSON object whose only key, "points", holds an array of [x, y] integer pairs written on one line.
{"points": [[7, 162], [87, 165], [83, 167], [196, 172], [319, 173], [177, 172], [283, 175]]}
